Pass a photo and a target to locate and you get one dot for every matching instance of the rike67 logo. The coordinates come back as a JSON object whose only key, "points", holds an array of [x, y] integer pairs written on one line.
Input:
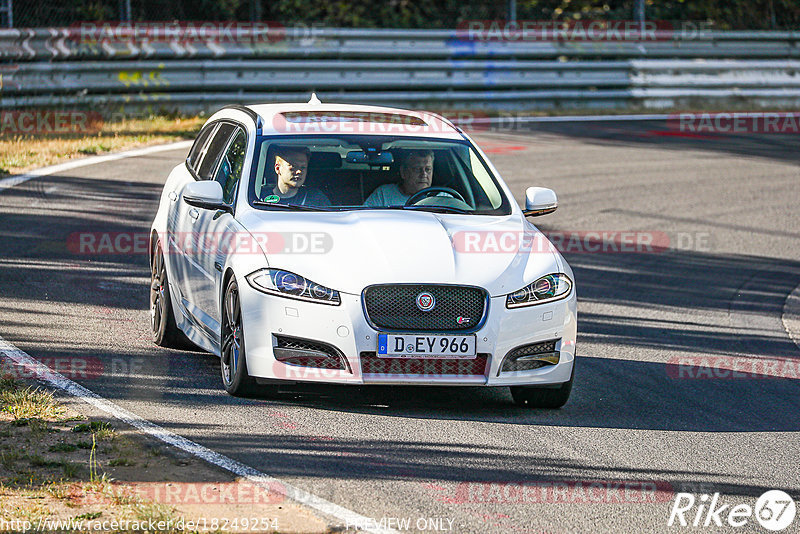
{"points": [[774, 510]]}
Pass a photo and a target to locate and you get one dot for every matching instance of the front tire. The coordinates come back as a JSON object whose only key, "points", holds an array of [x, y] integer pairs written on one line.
{"points": [[541, 397], [233, 363]]}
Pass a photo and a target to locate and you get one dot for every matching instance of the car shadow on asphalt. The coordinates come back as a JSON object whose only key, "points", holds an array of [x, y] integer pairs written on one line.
{"points": [[608, 393], [309, 456]]}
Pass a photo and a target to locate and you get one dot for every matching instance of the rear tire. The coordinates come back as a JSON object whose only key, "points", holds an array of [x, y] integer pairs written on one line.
{"points": [[162, 319], [541, 397]]}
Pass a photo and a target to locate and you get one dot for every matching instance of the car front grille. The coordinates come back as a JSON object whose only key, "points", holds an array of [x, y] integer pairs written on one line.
{"points": [[394, 307], [371, 364]]}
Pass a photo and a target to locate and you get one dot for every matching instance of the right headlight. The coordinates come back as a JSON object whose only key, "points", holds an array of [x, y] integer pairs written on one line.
{"points": [[291, 285], [546, 289]]}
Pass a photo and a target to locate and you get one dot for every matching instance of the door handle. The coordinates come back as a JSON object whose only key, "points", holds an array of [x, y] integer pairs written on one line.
{"points": [[173, 196], [194, 214]]}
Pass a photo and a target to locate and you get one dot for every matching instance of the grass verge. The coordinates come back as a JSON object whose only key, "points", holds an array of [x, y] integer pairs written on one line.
{"points": [[21, 152], [61, 471]]}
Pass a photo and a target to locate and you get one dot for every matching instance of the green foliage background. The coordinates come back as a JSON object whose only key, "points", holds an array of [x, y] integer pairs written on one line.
{"points": [[719, 14]]}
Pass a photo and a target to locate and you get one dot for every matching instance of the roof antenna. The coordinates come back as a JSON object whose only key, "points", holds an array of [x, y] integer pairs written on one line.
{"points": [[314, 99]]}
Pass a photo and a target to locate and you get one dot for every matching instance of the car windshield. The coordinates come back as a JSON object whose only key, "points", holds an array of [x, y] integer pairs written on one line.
{"points": [[352, 172]]}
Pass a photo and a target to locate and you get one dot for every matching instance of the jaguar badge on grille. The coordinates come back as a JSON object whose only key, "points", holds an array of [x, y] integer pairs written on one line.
{"points": [[462, 320], [425, 301]]}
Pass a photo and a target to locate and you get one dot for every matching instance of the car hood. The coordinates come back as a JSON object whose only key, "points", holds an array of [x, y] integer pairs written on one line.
{"points": [[348, 251]]}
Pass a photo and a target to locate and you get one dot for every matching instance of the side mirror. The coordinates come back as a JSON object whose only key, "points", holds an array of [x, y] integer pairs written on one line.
{"points": [[206, 194], [539, 201]]}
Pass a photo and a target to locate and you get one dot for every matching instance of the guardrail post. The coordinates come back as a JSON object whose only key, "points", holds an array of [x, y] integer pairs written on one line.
{"points": [[7, 7], [640, 13], [512, 11], [125, 11], [255, 11]]}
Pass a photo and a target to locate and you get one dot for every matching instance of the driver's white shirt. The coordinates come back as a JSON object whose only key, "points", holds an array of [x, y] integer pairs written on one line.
{"points": [[386, 195]]}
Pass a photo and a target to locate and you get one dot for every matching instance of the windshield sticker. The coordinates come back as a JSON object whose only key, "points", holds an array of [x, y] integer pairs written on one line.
{"points": [[272, 199]]}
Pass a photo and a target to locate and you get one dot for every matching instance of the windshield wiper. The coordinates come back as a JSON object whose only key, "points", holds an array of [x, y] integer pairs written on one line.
{"points": [[436, 209], [426, 207], [293, 207], [298, 207]]}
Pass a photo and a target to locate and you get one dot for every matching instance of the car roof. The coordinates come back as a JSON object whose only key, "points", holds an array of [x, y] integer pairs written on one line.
{"points": [[331, 119]]}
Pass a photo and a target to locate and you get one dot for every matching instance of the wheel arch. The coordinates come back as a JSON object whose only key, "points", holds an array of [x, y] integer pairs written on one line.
{"points": [[152, 248], [226, 278]]}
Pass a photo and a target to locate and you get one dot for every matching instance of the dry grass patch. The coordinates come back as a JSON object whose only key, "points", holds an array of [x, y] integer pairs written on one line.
{"points": [[22, 152], [58, 466], [27, 404]]}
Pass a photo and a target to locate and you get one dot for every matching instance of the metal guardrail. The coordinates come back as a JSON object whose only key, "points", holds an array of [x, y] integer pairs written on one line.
{"points": [[60, 67], [183, 75], [71, 43]]}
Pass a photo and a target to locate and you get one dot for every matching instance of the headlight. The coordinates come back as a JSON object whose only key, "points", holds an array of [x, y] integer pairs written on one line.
{"points": [[286, 284], [545, 289]]}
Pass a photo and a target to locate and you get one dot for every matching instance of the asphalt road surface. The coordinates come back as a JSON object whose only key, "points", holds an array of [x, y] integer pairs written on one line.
{"points": [[656, 409]]}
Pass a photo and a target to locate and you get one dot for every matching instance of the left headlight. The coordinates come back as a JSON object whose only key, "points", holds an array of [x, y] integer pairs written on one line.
{"points": [[291, 285], [546, 289]]}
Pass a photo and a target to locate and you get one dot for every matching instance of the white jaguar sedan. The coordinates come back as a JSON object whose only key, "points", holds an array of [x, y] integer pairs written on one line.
{"points": [[358, 245]]}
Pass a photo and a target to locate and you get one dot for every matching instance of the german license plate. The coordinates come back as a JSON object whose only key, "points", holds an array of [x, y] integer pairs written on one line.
{"points": [[426, 346]]}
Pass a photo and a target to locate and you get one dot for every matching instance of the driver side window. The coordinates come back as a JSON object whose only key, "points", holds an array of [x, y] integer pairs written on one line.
{"points": [[214, 151], [197, 152]]}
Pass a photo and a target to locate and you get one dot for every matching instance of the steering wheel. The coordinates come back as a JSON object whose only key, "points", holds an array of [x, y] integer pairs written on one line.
{"points": [[432, 191]]}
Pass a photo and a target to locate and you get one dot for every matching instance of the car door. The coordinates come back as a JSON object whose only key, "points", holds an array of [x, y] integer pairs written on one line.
{"points": [[190, 235], [174, 242], [220, 229]]}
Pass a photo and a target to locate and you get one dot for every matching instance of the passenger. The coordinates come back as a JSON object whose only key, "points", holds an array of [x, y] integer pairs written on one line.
{"points": [[416, 172], [291, 166]]}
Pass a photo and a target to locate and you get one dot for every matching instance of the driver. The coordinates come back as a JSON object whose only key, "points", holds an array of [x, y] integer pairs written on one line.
{"points": [[416, 171]]}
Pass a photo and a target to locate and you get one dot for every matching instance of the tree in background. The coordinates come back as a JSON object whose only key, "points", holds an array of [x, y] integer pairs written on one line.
{"points": [[442, 14]]}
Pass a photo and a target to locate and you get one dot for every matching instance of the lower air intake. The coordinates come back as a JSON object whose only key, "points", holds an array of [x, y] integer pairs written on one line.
{"points": [[308, 353], [533, 356]]}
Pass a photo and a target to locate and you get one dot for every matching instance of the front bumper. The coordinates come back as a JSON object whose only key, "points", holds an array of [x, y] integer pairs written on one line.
{"points": [[346, 328]]}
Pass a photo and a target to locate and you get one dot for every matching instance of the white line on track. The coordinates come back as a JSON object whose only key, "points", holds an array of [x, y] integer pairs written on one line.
{"points": [[574, 118], [791, 315], [58, 381], [11, 181], [622, 118], [43, 373]]}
